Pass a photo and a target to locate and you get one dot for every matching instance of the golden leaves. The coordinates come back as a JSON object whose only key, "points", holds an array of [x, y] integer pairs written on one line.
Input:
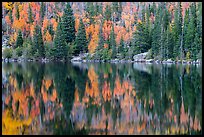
{"points": [[13, 126], [8, 5]]}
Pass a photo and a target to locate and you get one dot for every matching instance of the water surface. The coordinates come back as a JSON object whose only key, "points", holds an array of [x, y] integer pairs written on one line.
{"points": [[59, 98]]}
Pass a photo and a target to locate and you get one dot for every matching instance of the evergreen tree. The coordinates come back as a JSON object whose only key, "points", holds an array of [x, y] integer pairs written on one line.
{"points": [[19, 40], [113, 42], [115, 11], [17, 12], [81, 42], [30, 14], [140, 42], [147, 28], [120, 9], [108, 13], [199, 19], [121, 48], [68, 24], [99, 48], [191, 30], [42, 11], [195, 47], [91, 11], [38, 42], [99, 9], [177, 30], [60, 46], [156, 34], [186, 45], [50, 30], [169, 43]]}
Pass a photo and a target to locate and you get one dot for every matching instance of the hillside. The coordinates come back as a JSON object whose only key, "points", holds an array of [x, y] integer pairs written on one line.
{"points": [[106, 30]]}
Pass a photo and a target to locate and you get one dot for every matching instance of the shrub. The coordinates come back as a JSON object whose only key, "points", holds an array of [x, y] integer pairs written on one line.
{"points": [[27, 52], [49, 51], [19, 51], [199, 56], [7, 53], [14, 55]]}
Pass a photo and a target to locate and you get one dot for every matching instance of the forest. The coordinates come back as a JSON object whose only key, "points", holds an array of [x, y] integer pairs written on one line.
{"points": [[102, 30]]}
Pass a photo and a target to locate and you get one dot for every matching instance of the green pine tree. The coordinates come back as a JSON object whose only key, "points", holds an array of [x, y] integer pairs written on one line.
{"points": [[108, 13], [156, 34], [38, 42], [68, 24], [42, 11], [177, 30], [140, 42], [113, 42], [17, 12], [30, 15], [81, 42], [60, 46], [186, 45], [19, 40]]}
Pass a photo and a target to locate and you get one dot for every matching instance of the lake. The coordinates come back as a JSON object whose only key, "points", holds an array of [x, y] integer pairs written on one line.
{"points": [[101, 98]]}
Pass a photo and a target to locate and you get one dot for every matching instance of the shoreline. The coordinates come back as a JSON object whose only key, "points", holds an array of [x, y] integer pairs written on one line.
{"points": [[151, 61]]}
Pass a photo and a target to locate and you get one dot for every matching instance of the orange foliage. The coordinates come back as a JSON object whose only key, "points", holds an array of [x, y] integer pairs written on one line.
{"points": [[47, 37], [17, 24], [8, 21], [54, 22], [32, 28], [77, 21], [105, 45], [107, 29], [45, 24], [92, 32]]}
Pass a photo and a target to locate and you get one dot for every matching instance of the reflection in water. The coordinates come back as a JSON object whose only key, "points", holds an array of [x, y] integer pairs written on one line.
{"points": [[58, 98]]}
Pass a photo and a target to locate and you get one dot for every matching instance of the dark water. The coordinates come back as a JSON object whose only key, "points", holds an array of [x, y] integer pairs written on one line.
{"points": [[58, 98]]}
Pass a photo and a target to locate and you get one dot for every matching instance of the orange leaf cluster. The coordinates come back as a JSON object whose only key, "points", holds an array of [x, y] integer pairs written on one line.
{"points": [[92, 32], [107, 29]]}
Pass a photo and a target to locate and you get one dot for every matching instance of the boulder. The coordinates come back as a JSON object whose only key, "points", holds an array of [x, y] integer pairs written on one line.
{"points": [[140, 57], [76, 59], [198, 61], [169, 61]]}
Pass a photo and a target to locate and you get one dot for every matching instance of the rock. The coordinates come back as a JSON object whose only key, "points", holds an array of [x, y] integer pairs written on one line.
{"points": [[198, 61], [164, 61], [157, 61], [140, 57], [169, 61], [114, 60], [6, 60], [188, 62], [76, 59]]}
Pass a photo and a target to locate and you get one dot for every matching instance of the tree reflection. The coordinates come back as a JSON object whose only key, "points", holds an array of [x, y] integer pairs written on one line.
{"points": [[61, 98]]}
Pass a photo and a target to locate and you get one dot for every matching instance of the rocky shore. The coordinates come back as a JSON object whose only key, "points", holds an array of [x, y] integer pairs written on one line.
{"points": [[140, 58], [169, 61]]}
